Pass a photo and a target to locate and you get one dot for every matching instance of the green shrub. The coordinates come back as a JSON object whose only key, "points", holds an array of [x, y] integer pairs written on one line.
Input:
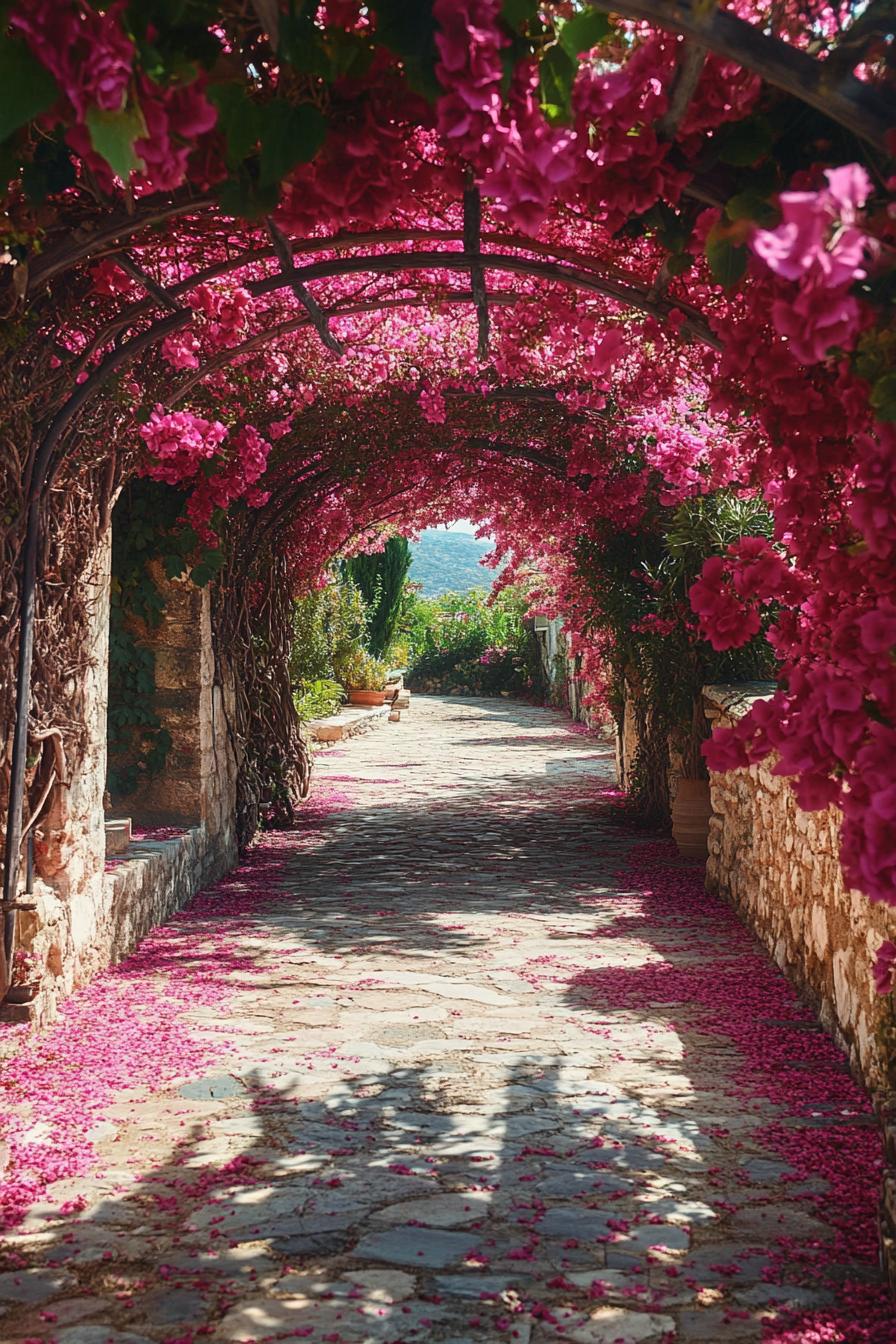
{"points": [[325, 621], [359, 671], [318, 699], [474, 641]]}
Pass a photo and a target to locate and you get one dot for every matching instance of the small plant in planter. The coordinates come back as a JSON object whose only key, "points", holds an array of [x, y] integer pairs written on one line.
{"points": [[363, 677], [25, 977], [318, 699]]}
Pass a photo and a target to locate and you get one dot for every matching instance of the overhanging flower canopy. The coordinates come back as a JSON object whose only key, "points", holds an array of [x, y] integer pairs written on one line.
{"points": [[343, 264]]}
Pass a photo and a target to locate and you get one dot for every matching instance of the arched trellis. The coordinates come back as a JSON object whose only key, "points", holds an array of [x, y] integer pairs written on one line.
{"points": [[286, 492], [609, 280], [258, 678], [631, 291], [828, 86]]}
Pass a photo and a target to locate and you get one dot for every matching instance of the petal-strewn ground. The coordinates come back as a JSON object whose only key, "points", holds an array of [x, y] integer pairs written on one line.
{"points": [[461, 1059]]}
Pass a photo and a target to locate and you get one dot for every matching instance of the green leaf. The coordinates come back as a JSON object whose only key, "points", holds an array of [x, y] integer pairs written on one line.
{"points": [[210, 564], [201, 575], [290, 136], [239, 119], [50, 171], [583, 31], [679, 263], [27, 89], [113, 135], [727, 259], [242, 197], [407, 27], [301, 44], [671, 229], [743, 143], [751, 204], [174, 566], [557, 70], [883, 397], [515, 13]]}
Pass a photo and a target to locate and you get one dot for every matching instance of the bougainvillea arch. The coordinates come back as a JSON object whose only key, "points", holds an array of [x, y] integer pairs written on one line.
{"points": [[379, 264]]}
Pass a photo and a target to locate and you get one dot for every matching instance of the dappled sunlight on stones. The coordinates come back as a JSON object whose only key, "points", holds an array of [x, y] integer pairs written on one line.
{"points": [[457, 1080]]}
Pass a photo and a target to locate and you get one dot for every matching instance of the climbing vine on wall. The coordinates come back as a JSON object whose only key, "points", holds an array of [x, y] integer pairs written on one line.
{"points": [[642, 621], [147, 542]]}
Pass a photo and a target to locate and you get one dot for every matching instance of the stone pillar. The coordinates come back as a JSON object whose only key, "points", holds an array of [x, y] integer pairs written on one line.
{"points": [[627, 740], [180, 648], [87, 917], [193, 702], [70, 840]]}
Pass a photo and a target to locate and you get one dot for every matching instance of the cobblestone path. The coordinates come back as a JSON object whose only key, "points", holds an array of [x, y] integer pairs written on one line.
{"points": [[459, 1060]]}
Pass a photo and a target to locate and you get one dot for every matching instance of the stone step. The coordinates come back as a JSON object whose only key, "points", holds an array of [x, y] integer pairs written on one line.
{"points": [[118, 835], [348, 721]]}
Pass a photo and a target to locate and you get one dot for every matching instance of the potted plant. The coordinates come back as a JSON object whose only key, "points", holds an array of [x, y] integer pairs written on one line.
{"points": [[363, 677], [691, 805], [25, 979]]}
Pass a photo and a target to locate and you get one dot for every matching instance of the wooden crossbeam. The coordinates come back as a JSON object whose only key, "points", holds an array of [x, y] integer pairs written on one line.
{"points": [[631, 292], [316, 314], [473, 249], [865, 110], [691, 60], [158, 292], [511, 393]]}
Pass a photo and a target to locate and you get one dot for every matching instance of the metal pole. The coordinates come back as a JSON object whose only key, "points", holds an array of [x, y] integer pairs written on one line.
{"points": [[18, 762]]}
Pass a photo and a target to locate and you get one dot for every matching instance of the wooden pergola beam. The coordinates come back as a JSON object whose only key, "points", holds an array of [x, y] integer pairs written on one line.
{"points": [[157, 292], [691, 60], [473, 249], [316, 315], [630, 293], [866, 111]]}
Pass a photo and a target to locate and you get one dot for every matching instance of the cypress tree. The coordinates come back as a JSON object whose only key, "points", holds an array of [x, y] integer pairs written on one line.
{"points": [[380, 578]]}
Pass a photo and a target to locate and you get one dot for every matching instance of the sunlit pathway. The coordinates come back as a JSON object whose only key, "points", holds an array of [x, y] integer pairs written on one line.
{"points": [[460, 1060]]}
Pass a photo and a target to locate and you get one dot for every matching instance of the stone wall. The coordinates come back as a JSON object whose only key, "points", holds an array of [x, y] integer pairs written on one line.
{"points": [[780, 867], [70, 841], [88, 914], [626, 743]]}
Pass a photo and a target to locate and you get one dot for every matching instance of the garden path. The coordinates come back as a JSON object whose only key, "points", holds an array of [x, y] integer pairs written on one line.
{"points": [[461, 1059]]}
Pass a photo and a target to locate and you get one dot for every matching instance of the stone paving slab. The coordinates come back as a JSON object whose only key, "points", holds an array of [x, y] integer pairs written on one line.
{"points": [[349, 722], [450, 1097]]}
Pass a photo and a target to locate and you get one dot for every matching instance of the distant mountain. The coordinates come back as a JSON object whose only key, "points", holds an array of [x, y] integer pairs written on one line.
{"points": [[448, 562]]}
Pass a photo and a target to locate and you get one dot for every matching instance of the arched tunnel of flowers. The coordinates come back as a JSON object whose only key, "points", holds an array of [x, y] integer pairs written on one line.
{"points": [[617, 286]]}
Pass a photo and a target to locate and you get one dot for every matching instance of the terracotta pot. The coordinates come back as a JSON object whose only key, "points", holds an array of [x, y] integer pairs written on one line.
{"points": [[22, 993], [691, 812], [356, 697]]}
